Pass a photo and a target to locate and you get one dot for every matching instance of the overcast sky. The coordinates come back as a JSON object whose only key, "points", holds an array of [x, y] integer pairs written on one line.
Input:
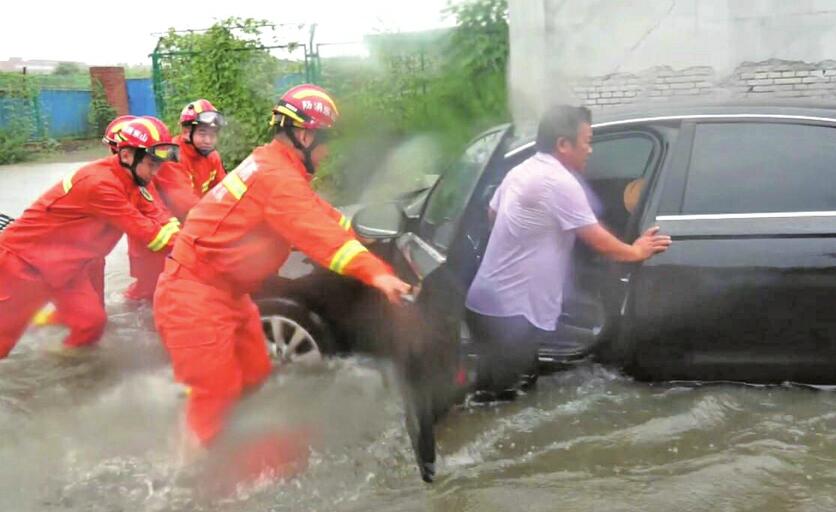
{"points": [[85, 31]]}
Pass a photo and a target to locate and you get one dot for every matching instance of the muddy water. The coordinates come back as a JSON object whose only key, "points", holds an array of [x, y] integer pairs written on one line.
{"points": [[102, 433]]}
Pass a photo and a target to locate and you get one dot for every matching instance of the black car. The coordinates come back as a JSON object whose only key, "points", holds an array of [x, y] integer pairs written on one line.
{"points": [[747, 291]]}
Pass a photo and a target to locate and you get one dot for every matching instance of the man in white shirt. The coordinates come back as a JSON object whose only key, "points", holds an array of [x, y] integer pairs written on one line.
{"points": [[538, 210]]}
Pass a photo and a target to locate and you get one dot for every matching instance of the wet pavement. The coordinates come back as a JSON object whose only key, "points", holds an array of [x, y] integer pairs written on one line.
{"points": [[102, 433]]}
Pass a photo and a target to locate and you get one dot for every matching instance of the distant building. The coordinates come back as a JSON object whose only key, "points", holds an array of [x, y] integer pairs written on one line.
{"points": [[17, 65]]}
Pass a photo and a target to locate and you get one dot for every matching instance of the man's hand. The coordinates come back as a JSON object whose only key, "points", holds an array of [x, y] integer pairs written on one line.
{"points": [[650, 243], [392, 287]]}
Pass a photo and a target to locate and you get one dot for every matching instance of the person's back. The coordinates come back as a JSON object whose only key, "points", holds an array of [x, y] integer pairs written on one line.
{"points": [[227, 234]]}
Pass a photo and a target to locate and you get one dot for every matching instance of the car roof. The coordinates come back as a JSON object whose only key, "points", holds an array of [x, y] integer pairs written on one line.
{"points": [[647, 112], [719, 109]]}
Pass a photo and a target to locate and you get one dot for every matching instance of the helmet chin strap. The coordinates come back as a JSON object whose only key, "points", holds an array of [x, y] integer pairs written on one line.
{"points": [[308, 161], [139, 154]]}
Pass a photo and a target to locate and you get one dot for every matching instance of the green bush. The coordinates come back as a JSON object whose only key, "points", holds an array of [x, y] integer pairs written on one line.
{"points": [[101, 113], [438, 88], [228, 66], [17, 100], [443, 85]]}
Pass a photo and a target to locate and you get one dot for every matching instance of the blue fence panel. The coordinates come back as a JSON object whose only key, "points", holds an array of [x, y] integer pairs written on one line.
{"points": [[141, 97], [64, 113]]}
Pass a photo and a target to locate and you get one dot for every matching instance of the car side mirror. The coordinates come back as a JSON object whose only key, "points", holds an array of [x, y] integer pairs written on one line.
{"points": [[378, 221]]}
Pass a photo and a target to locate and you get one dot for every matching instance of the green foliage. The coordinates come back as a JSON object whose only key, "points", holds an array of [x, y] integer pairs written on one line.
{"points": [[17, 105], [101, 112], [68, 68], [226, 65], [428, 92], [449, 84]]}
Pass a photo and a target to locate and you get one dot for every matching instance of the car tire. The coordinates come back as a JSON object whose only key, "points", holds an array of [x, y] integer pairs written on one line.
{"points": [[294, 333]]}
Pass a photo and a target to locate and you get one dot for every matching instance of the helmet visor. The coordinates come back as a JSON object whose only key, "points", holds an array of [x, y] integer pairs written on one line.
{"points": [[211, 119], [164, 152]]}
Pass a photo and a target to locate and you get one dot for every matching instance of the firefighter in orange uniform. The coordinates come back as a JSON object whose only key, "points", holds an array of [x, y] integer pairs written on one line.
{"points": [[45, 254], [181, 185], [239, 234], [47, 315]]}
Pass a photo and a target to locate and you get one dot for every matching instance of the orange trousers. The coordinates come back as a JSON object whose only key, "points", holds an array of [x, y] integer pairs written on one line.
{"points": [[216, 344], [79, 304], [146, 266]]}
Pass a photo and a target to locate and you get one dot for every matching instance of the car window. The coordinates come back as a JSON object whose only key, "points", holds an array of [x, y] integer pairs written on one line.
{"points": [[761, 168], [453, 191], [624, 157]]}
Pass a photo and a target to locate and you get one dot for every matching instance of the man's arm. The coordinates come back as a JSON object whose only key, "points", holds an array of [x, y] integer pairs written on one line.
{"points": [[606, 244]]}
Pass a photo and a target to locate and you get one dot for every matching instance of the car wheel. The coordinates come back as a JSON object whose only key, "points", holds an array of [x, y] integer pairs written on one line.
{"points": [[294, 333]]}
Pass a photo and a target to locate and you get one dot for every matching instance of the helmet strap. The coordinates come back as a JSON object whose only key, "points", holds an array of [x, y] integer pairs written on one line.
{"points": [[139, 154], [306, 151]]}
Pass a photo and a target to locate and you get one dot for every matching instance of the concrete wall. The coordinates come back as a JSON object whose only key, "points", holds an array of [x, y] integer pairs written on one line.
{"points": [[611, 52]]}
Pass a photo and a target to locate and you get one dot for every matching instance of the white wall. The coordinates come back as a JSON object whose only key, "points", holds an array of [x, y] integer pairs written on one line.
{"points": [[554, 41]]}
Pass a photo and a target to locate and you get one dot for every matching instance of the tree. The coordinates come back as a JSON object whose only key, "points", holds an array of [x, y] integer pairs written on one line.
{"points": [[228, 66], [68, 68]]}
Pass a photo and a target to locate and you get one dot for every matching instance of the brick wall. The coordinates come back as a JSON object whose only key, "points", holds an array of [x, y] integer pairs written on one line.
{"points": [[113, 80], [768, 79]]}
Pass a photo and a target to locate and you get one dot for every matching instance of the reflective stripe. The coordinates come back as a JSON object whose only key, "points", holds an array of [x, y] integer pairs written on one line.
{"points": [[345, 255], [68, 182], [205, 186], [289, 113], [164, 235], [152, 129], [235, 185], [345, 223]]}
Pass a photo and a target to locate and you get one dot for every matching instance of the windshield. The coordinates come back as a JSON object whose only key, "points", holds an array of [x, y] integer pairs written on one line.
{"points": [[452, 192]]}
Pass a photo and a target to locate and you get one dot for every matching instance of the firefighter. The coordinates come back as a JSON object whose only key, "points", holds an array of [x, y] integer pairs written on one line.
{"points": [[47, 315], [238, 235], [47, 253], [181, 184]]}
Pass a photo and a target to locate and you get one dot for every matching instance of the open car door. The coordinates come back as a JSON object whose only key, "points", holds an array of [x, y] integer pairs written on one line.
{"points": [[427, 253]]}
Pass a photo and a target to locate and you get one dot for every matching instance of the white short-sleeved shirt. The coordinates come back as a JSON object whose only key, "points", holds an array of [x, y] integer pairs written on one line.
{"points": [[538, 206]]}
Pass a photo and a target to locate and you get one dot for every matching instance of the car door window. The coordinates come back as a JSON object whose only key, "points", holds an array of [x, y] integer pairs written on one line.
{"points": [[620, 157], [761, 168], [451, 194], [616, 174]]}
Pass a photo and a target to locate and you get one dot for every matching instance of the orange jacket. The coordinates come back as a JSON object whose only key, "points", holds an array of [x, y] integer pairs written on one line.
{"points": [[183, 183], [243, 230], [82, 217]]}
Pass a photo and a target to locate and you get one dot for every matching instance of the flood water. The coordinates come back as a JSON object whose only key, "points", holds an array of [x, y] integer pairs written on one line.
{"points": [[102, 433]]}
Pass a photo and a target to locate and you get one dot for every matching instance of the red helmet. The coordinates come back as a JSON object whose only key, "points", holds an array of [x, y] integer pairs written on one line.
{"points": [[305, 106], [113, 128], [150, 134], [201, 112]]}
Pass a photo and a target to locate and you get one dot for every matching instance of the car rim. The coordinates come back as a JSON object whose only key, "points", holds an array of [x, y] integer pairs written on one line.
{"points": [[289, 341]]}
